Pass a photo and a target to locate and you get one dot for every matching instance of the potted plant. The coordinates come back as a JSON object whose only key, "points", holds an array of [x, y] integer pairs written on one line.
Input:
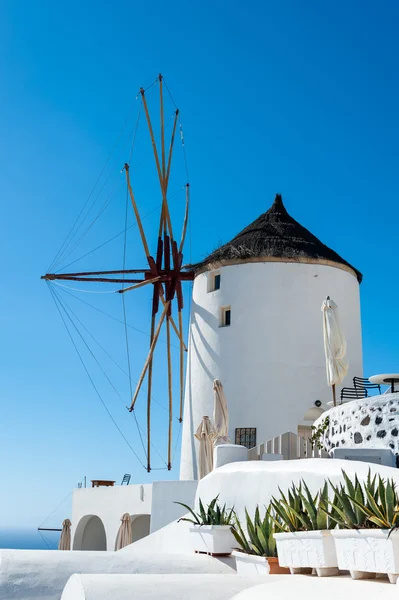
{"points": [[211, 528], [306, 543], [367, 538], [257, 554]]}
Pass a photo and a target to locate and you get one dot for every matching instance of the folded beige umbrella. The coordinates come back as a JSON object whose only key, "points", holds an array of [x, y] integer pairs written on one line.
{"points": [[205, 435], [65, 537], [220, 415], [125, 535], [334, 345]]}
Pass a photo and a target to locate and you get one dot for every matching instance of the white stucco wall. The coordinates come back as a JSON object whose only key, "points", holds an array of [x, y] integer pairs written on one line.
{"points": [[42, 574], [158, 587], [108, 504], [271, 358], [96, 512], [245, 485], [165, 494], [328, 588]]}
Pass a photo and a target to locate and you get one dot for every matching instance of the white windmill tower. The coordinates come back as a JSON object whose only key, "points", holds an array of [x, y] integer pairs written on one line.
{"points": [[256, 326]]}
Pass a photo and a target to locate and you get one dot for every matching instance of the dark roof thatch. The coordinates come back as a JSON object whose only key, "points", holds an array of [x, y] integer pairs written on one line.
{"points": [[275, 234]]}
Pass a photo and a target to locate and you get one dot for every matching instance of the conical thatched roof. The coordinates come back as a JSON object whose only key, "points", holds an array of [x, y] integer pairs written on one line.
{"points": [[275, 234]]}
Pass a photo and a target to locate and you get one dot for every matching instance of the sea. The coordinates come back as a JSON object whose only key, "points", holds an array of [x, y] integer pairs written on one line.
{"points": [[28, 539]]}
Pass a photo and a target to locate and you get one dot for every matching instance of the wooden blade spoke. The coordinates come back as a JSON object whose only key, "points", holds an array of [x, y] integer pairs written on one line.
{"points": [[149, 392], [50, 276], [172, 321], [170, 394], [138, 285], [136, 212], [181, 365], [151, 352], [184, 231], [165, 216], [172, 140], [162, 126]]}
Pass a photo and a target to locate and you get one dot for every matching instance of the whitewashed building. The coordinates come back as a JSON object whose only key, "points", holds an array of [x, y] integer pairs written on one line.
{"points": [[256, 325]]}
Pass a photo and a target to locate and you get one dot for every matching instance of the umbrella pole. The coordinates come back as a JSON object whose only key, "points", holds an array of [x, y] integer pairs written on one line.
{"points": [[333, 393]]}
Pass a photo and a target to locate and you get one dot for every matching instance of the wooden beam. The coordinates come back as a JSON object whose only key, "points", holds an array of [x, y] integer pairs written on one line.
{"points": [[136, 212], [172, 140], [139, 285], [50, 276], [169, 393], [165, 209], [95, 279], [184, 231], [149, 393], [147, 362], [181, 365], [172, 321]]}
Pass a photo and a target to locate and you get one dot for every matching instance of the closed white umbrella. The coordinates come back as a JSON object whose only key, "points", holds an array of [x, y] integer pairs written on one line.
{"points": [[205, 434], [124, 536], [334, 345], [220, 415], [65, 537]]}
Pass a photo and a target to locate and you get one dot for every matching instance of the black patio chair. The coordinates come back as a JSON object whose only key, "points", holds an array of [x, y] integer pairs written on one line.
{"points": [[361, 382], [126, 479], [353, 393]]}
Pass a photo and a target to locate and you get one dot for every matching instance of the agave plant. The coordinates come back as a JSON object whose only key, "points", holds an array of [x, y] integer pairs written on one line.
{"points": [[300, 511], [259, 539], [373, 504], [214, 514]]}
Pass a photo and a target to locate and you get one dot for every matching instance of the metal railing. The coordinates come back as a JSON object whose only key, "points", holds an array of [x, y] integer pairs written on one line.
{"points": [[289, 445]]}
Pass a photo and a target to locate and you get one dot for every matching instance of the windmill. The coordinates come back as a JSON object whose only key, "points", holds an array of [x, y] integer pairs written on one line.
{"points": [[165, 272]]}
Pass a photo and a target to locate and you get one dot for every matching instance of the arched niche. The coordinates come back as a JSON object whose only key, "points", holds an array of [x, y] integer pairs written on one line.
{"points": [[90, 534], [140, 526]]}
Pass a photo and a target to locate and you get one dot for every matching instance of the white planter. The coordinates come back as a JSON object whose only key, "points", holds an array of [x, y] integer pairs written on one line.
{"points": [[307, 549], [212, 539], [365, 552], [250, 564]]}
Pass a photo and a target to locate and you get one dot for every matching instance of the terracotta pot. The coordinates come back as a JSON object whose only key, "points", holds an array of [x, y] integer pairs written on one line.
{"points": [[275, 568], [252, 564]]}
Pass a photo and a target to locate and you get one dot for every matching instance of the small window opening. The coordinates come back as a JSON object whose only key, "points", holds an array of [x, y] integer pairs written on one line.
{"points": [[225, 316], [214, 282], [246, 436]]}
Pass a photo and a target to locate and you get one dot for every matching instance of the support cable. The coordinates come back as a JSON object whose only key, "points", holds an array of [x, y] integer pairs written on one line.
{"points": [[107, 353], [105, 313], [56, 300], [91, 193], [125, 321], [116, 363], [139, 428]]}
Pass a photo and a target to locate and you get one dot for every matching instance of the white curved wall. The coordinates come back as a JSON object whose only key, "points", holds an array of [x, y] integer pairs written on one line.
{"points": [[157, 587], [271, 358], [246, 485], [42, 574]]}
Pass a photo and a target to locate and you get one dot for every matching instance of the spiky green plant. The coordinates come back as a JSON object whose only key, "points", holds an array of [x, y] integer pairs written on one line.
{"points": [[259, 539], [214, 514], [373, 504], [300, 511]]}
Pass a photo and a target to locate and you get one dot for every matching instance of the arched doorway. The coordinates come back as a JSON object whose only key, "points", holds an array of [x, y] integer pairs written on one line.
{"points": [[140, 526], [90, 534]]}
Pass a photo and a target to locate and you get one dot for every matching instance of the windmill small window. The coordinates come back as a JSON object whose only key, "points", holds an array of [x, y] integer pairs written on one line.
{"points": [[225, 316], [214, 282]]}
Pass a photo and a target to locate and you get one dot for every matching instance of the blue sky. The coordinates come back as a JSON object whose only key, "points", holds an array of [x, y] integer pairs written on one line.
{"points": [[277, 96]]}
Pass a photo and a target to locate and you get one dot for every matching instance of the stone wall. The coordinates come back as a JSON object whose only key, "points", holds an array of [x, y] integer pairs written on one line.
{"points": [[367, 423]]}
